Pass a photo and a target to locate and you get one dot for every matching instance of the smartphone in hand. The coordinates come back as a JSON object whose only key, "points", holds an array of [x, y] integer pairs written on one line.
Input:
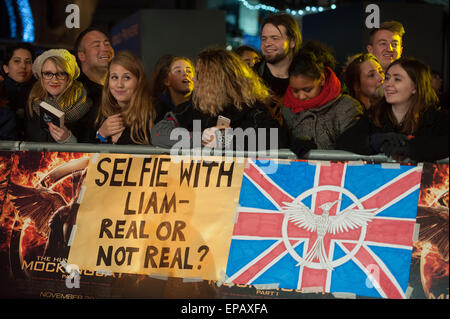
{"points": [[223, 122]]}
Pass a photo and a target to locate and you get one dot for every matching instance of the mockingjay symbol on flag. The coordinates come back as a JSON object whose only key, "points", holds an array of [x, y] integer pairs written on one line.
{"points": [[348, 219]]}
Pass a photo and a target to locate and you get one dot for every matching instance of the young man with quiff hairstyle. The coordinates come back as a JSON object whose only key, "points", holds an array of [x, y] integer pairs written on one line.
{"points": [[386, 43]]}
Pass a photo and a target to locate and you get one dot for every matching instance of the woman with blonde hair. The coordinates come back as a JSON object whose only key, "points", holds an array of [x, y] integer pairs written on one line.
{"points": [[223, 81], [56, 71], [126, 113], [227, 94]]}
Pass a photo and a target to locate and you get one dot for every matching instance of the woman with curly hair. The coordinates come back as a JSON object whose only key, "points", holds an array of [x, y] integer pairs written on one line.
{"points": [[57, 71], [126, 113], [407, 122], [227, 94]]}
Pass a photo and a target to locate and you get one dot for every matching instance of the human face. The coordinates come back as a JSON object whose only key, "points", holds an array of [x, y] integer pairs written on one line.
{"points": [[436, 82], [58, 83], [180, 77], [275, 45], [19, 66], [96, 51], [305, 88], [250, 57], [386, 46], [122, 84], [398, 86], [371, 78]]}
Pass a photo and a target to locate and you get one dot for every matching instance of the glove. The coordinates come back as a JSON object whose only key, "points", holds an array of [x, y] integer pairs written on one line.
{"points": [[302, 146], [397, 152], [379, 142]]}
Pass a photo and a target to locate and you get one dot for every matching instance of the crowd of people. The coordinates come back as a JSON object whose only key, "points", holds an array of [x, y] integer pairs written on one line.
{"points": [[381, 102]]}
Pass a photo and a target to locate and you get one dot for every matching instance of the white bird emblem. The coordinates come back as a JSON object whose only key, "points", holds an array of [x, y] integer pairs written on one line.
{"points": [[346, 220]]}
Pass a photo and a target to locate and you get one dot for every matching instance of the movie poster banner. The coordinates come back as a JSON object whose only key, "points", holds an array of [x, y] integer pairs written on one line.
{"points": [[151, 227], [5, 168], [429, 267], [151, 215], [39, 194]]}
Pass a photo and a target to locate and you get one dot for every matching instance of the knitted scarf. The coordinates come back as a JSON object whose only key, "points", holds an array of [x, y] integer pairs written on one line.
{"points": [[330, 90], [73, 112]]}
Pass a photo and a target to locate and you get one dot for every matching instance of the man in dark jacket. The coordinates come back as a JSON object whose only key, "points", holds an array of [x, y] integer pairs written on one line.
{"points": [[280, 41], [94, 53]]}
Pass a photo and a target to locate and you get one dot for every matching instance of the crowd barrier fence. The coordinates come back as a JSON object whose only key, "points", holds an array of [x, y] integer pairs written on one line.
{"points": [[199, 228], [324, 155]]}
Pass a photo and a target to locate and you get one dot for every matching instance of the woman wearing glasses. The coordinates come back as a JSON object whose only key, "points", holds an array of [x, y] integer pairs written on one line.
{"points": [[56, 71]]}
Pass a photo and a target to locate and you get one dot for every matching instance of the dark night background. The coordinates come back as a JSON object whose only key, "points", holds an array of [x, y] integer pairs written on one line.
{"points": [[184, 27]]}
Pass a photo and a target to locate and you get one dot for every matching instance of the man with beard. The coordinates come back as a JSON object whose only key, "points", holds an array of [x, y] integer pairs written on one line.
{"points": [[280, 41]]}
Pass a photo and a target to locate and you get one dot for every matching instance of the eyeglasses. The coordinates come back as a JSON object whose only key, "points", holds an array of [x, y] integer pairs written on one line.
{"points": [[50, 75]]}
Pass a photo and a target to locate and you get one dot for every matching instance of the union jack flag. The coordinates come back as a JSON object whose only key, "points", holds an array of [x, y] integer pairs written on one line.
{"points": [[367, 250]]}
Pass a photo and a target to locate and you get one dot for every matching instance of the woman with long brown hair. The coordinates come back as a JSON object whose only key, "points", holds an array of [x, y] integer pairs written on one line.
{"points": [[364, 78], [407, 122], [126, 113], [171, 83]]}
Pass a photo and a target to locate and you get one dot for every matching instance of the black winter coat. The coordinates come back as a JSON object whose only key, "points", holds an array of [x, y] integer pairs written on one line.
{"points": [[184, 115], [429, 142], [8, 130]]}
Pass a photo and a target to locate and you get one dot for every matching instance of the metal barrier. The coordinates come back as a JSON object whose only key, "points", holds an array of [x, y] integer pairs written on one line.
{"points": [[324, 155]]}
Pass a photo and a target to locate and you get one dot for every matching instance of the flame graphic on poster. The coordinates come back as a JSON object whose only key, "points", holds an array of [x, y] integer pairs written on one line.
{"points": [[38, 185], [433, 244]]}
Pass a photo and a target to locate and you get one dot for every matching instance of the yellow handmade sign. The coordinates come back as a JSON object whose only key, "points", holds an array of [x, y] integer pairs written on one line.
{"points": [[150, 215]]}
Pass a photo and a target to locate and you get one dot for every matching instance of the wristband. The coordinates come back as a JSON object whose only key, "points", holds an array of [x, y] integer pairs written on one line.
{"points": [[101, 138]]}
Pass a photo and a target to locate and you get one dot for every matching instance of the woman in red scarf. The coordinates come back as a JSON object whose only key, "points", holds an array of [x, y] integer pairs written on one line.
{"points": [[315, 111]]}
